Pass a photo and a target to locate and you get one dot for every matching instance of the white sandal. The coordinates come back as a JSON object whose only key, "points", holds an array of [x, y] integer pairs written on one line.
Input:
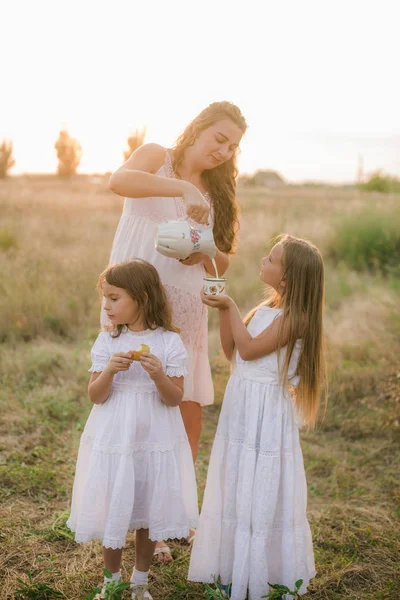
{"points": [[163, 550], [141, 592]]}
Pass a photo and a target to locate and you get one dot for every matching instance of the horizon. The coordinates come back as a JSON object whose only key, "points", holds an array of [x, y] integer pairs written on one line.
{"points": [[374, 143]]}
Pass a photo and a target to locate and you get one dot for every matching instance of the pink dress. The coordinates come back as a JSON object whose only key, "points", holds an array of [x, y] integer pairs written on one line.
{"points": [[134, 238]]}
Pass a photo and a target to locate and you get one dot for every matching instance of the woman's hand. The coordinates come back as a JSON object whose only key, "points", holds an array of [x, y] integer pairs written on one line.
{"points": [[152, 365], [120, 361], [193, 259], [197, 207], [221, 302]]}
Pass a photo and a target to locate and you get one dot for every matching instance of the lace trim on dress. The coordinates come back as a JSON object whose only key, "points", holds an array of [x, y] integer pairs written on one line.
{"points": [[187, 311], [262, 367], [133, 387], [157, 535], [132, 449], [289, 526], [168, 165], [97, 367], [255, 447], [126, 329], [179, 203], [176, 371]]}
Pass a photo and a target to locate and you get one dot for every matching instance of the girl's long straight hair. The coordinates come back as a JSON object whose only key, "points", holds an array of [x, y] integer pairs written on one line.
{"points": [[302, 304]]}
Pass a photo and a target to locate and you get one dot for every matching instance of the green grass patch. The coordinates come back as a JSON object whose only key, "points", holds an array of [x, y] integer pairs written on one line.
{"points": [[368, 240], [7, 239]]}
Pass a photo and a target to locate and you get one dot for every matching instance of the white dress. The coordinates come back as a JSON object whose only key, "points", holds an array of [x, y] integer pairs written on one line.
{"points": [[253, 526], [135, 238], [135, 468]]}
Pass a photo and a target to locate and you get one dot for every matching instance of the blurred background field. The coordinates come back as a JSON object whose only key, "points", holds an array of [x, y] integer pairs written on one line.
{"points": [[55, 238]]}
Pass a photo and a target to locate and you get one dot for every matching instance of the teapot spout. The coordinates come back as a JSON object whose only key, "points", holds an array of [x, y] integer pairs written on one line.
{"points": [[207, 244], [210, 251]]}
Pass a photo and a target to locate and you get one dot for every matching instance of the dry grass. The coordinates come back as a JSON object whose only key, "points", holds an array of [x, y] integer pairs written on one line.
{"points": [[57, 239]]}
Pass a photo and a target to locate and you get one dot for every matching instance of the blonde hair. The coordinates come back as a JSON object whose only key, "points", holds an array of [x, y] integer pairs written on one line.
{"points": [[220, 181], [302, 304], [142, 282]]}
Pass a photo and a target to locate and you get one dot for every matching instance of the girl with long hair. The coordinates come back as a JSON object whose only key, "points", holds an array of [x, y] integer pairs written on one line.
{"points": [[253, 525]]}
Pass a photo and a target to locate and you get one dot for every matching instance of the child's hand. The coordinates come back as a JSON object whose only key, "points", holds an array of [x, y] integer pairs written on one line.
{"points": [[152, 365], [120, 361], [222, 302]]}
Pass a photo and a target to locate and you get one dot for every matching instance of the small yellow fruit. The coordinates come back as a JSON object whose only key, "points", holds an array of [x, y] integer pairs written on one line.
{"points": [[136, 354]]}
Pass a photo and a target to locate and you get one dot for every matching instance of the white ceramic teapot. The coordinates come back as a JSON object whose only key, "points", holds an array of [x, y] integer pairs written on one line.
{"points": [[179, 239]]}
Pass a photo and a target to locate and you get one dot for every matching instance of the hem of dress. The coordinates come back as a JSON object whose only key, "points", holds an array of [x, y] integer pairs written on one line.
{"points": [[154, 536], [205, 579], [176, 372], [212, 578], [88, 441], [208, 403]]}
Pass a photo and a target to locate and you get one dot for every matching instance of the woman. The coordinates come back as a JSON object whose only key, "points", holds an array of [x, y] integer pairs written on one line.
{"points": [[197, 179]]}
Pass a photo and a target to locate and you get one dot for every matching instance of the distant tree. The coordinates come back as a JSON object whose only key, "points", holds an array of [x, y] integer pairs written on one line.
{"points": [[6, 158], [263, 178], [135, 140], [381, 182], [69, 154]]}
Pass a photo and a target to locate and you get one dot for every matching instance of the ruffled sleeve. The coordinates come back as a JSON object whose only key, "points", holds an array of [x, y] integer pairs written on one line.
{"points": [[177, 356], [100, 353]]}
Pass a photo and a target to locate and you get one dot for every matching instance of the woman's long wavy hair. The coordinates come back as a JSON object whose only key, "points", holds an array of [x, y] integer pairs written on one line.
{"points": [[302, 304], [142, 282], [220, 181]]}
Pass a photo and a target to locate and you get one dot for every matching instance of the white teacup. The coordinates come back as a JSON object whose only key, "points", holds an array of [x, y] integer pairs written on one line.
{"points": [[214, 286]]}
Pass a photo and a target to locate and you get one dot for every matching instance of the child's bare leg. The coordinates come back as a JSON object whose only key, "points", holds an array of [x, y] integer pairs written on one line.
{"points": [[144, 550], [112, 559], [140, 575]]}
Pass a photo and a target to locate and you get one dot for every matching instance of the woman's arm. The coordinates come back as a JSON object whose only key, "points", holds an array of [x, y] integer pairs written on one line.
{"points": [[222, 261], [136, 179]]}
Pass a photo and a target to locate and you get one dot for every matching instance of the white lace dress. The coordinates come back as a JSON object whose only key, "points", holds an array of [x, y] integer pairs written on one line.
{"points": [[135, 237], [134, 467], [253, 525]]}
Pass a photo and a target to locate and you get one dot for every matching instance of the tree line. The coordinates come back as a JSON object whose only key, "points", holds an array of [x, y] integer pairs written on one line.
{"points": [[68, 150], [69, 154]]}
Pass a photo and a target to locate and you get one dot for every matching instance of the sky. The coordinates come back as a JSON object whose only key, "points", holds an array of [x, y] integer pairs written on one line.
{"points": [[316, 80]]}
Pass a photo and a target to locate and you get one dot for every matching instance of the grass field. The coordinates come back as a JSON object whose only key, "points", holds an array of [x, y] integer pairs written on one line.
{"points": [[55, 238]]}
